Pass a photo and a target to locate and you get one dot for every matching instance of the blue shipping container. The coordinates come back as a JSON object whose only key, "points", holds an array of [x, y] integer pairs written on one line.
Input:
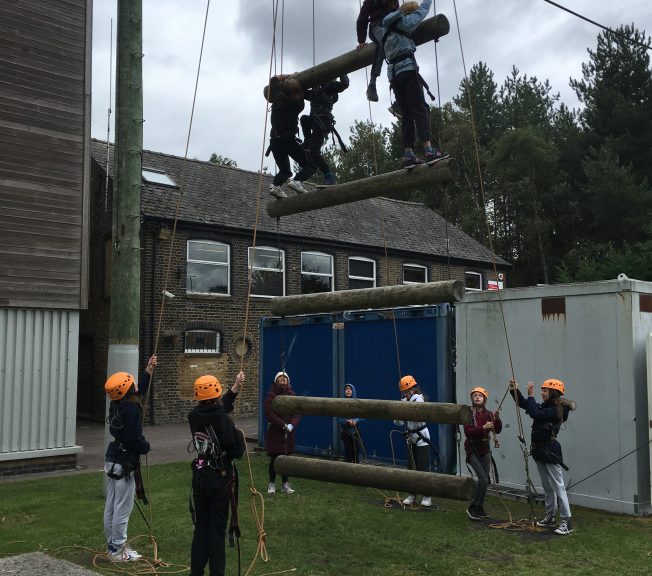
{"points": [[371, 350]]}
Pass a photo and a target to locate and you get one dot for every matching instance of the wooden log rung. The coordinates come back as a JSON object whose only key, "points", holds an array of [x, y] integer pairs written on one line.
{"points": [[364, 298], [422, 177], [438, 412], [381, 477]]}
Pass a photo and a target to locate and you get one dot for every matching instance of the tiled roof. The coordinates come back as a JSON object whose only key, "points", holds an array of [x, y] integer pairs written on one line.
{"points": [[226, 197]]}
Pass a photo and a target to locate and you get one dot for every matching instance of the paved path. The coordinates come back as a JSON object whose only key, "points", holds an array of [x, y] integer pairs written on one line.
{"points": [[39, 564]]}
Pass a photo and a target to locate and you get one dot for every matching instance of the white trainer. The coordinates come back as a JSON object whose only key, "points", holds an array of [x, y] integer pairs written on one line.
{"points": [[277, 191], [297, 186], [287, 489], [126, 555], [426, 502], [409, 500], [271, 489]]}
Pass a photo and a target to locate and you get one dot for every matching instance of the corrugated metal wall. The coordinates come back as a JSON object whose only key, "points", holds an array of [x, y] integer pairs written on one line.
{"points": [[38, 382]]}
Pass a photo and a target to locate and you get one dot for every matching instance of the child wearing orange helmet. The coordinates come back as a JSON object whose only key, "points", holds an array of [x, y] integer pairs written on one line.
{"points": [[417, 437], [478, 449], [123, 458], [547, 419], [214, 476]]}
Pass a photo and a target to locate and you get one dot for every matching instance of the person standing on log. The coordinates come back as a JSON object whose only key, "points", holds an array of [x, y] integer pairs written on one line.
{"points": [[547, 419], [370, 17], [349, 431], [280, 431], [320, 123], [417, 437], [286, 96], [405, 80], [214, 476], [477, 448]]}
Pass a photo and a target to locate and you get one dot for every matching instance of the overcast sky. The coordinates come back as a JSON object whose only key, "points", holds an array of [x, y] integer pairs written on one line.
{"points": [[536, 37]]}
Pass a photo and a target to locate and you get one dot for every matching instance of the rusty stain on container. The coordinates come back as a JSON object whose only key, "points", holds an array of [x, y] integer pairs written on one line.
{"points": [[553, 307], [645, 302]]}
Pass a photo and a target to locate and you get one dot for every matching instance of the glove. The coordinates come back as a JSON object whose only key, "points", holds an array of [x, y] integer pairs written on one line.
{"points": [[289, 427]]}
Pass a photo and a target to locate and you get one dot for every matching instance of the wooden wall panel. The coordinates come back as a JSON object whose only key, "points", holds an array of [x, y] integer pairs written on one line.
{"points": [[44, 140]]}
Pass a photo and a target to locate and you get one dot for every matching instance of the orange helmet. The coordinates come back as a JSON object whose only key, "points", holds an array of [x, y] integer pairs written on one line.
{"points": [[482, 391], [118, 385], [406, 383], [206, 388], [554, 384]]}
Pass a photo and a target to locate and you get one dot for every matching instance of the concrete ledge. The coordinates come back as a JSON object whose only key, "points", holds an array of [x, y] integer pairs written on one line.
{"points": [[38, 564], [44, 453]]}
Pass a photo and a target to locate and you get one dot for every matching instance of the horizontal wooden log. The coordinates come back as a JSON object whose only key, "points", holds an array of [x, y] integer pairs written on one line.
{"points": [[362, 298], [430, 29], [422, 177], [381, 477], [439, 412]]}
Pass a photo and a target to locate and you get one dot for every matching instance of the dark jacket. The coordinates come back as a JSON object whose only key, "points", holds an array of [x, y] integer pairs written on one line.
{"points": [[323, 97], [277, 440], [285, 110], [477, 438], [372, 13], [214, 413], [545, 427], [344, 422], [125, 425]]}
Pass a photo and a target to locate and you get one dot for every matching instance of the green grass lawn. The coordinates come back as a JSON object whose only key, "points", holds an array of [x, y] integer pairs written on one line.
{"points": [[326, 529]]}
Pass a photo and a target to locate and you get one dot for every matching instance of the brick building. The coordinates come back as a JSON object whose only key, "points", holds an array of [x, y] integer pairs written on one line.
{"points": [[201, 327]]}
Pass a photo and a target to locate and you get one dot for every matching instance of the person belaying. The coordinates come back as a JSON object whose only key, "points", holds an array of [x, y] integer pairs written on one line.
{"points": [[417, 437], [405, 80], [286, 97], [478, 449], [122, 460], [370, 17], [320, 123], [349, 431], [547, 419], [214, 476], [280, 437]]}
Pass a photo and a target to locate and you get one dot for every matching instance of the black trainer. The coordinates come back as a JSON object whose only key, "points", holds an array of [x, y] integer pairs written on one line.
{"points": [[481, 512], [472, 512], [372, 94]]}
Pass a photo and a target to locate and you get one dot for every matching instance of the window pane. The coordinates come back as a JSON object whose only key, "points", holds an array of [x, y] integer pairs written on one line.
{"points": [[311, 284], [473, 281], [414, 274], [361, 268], [208, 251], [207, 278], [267, 258], [355, 283], [316, 263], [267, 283], [202, 341], [155, 177]]}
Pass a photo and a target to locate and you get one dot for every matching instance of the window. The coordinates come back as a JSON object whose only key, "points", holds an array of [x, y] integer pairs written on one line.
{"points": [[202, 342], [414, 274], [159, 177], [362, 272], [316, 272], [473, 281], [268, 271], [208, 268]]}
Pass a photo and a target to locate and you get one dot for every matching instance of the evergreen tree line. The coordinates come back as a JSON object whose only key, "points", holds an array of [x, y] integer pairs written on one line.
{"points": [[566, 193]]}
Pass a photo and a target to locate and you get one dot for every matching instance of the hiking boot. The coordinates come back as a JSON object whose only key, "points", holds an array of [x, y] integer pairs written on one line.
{"points": [[395, 110], [426, 502], [409, 500], [287, 489], [329, 179], [433, 154], [271, 489], [277, 191], [472, 512], [410, 160], [564, 528], [547, 521], [297, 186], [372, 94]]}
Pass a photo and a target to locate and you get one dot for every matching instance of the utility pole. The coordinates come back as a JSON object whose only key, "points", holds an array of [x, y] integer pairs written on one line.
{"points": [[125, 262]]}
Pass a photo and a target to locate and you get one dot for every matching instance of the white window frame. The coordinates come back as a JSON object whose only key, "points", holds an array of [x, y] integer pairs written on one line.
{"points": [[331, 275], [227, 264], [420, 266], [203, 351], [362, 259], [157, 177], [250, 250], [472, 273]]}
